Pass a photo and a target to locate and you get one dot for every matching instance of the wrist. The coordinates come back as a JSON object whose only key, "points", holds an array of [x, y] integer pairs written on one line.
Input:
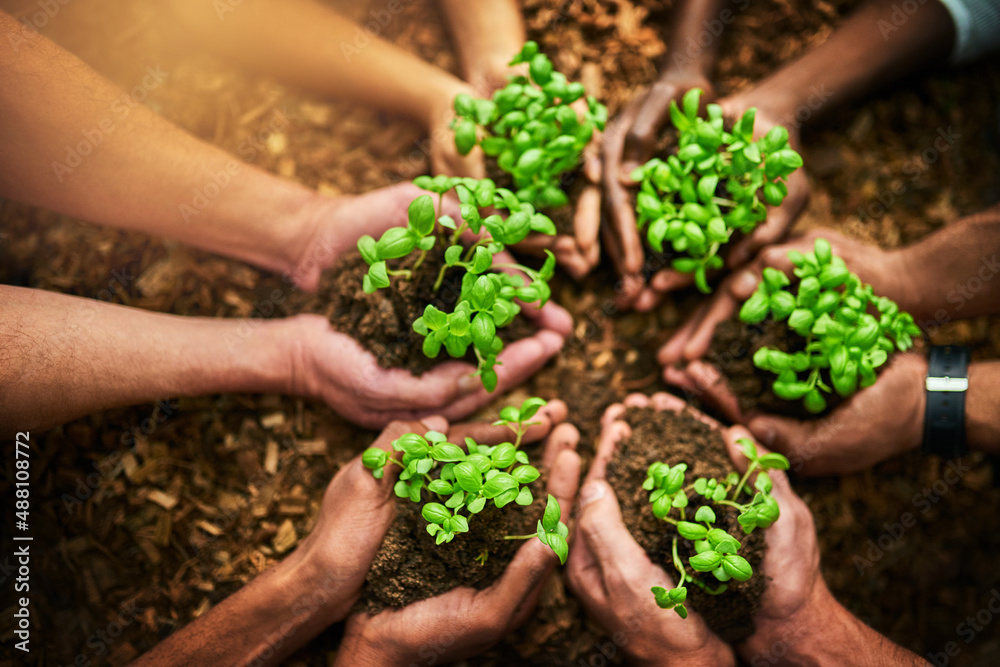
{"points": [[359, 650], [813, 634]]}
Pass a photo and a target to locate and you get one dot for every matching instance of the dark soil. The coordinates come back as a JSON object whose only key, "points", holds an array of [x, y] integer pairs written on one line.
{"points": [[383, 321], [410, 567], [571, 182], [675, 438], [732, 351]]}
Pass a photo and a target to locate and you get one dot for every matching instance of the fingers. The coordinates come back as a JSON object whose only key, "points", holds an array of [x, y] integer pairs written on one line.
{"points": [[714, 389], [600, 527], [609, 438], [552, 317], [514, 596], [640, 137], [554, 412], [587, 225], [564, 436]]}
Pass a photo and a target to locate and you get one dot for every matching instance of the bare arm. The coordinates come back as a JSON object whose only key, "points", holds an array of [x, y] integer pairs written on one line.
{"points": [[486, 36], [872, 47], [74, 143], [62, 357], [305, 44]]}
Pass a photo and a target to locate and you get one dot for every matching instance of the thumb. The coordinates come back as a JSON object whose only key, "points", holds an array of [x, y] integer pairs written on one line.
{"points": [[783, 435], [601, 528]]}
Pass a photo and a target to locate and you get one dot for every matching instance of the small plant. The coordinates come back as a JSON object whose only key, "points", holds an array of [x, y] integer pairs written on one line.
{"points": [[530, 128], [712, 187], [716, 551], [486, 302], [458, 480], [829, 309]]}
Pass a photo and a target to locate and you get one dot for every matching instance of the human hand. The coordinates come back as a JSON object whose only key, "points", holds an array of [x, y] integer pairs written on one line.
{"points": [[630, 141], [612, 575], [841, 442], [464, 621], [355, 514]]}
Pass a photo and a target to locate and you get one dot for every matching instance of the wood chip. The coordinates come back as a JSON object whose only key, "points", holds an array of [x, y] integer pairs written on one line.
{"points": [[209, 528], [286, 538], [164, 500], [311, 447], [272, 420], [271, 458]]}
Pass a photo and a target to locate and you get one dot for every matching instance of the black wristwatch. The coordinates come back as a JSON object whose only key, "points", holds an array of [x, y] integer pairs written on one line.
{"points": [[944, 416]]}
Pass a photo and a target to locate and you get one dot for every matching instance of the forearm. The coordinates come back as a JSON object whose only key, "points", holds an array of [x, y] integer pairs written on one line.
{"points": [[823, 632], [872, 47], [982, 407], [62, 357], [262, 624], [305, 44], [953, 273], [687, 54], [486, 36]]}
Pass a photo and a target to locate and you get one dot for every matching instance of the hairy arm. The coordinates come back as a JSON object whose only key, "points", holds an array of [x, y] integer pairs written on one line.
{"points": [[62, 357]]}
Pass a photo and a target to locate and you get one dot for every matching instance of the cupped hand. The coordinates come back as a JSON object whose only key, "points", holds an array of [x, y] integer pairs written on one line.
{"points": [[796, 594], [355, 513], [333, 367], [876, 423], [629, 143], [612, 575], [465, 621]]}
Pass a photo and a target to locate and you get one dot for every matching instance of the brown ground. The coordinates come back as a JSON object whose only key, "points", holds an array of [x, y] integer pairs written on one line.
{"points": [[247, 472]]}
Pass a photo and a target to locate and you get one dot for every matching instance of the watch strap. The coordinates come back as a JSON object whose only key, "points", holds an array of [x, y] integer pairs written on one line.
{"points": [[944, 415]]}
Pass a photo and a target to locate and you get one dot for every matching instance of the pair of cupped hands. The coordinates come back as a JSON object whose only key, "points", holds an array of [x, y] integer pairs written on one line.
{"points": [[606, 570]]}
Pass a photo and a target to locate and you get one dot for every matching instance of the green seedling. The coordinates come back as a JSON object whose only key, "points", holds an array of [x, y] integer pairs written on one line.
{"points": [[829, 307], [487, 299], [454, 484], [530, 128], [715, 185], [716, 551]]}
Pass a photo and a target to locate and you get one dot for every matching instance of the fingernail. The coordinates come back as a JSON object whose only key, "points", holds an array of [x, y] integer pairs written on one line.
{"points": [[591, 491], [469, 383]]}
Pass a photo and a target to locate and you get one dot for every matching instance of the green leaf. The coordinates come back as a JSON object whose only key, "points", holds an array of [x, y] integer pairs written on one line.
{"points": [[773, 461], [452, 255], [468, 478], [465, 136], [483, 332], [398, 241], [530, 407], [782, 304], [755, 308], [691, 531], [524, 497], [366, 246], [559, 546], [435, 513], [482, 260], [476, 506], [447, 452], [498, 484], [441, 487], [530, 162], [525, 474], [434, 318], [705, 513], [378, 275], [690, 102], [737, 567], [503, 455], [706, 561], [550, 519], [482, 294], [540, 69], [814, 401], [763, 483], [749, 448], [374, 458], [464, 105]]}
